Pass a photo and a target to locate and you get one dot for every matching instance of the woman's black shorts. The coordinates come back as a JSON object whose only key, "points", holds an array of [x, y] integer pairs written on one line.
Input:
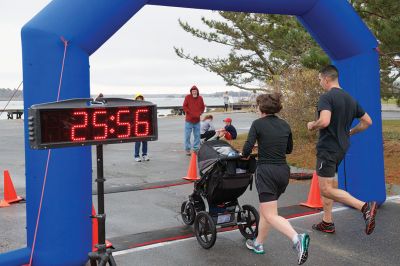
{"points": [[271, 181]]}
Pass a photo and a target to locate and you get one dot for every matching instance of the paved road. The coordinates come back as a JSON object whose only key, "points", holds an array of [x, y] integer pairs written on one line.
{"points": [[349, 246], [391, 115], [136, 212]]}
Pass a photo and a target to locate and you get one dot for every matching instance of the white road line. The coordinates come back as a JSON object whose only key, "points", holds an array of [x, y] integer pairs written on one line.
{"points": [[337, 209], [132, 250], [127, 251]]}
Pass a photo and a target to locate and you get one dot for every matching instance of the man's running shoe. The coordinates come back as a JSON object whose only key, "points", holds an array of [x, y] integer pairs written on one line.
{"points": [[257, 248], [324, 227], [369, 212], [302, 248]]}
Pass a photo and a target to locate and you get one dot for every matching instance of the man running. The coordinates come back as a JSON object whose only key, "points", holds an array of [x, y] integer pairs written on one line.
{"points": [[337, 110]]}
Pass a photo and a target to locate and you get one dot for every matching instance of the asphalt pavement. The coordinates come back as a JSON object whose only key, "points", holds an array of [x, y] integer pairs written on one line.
{"points": [[141, 212]]}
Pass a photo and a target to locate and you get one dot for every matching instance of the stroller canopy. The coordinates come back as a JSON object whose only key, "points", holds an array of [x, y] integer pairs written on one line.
{"points": [[212, 151]]}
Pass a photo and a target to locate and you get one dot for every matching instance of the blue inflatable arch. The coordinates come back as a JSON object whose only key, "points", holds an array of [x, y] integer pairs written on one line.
{"points": [[64, 235]]}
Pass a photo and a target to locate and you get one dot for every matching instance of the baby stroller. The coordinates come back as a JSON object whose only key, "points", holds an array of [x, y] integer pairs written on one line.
{"points": [[225, 176]]}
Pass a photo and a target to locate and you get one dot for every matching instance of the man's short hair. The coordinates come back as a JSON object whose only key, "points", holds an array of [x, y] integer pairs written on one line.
{"points": [[330, 71], [269, 103]]}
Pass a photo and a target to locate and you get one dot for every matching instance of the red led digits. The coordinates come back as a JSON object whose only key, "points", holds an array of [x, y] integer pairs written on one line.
{"points": [[141, 132], [93, 125], [83, 125], [124, 124], [99, 125]]}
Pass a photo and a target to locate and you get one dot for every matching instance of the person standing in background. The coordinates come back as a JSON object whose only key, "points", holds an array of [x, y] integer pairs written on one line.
{"points": [[139, 97], [252, 100], [226, 100], [193, 106]]}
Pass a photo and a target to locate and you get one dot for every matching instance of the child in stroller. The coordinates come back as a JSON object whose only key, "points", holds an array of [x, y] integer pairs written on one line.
{"points": [[225, 176]]}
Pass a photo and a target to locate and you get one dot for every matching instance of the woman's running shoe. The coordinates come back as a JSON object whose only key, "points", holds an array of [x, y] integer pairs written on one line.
{"points": [[257, 248], [302, 248]]}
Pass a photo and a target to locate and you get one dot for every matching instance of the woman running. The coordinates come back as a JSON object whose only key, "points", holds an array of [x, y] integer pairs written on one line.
{"points": [[274, 139]]}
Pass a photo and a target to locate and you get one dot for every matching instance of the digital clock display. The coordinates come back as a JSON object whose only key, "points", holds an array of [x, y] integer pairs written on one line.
{"points": [[57, 125]]}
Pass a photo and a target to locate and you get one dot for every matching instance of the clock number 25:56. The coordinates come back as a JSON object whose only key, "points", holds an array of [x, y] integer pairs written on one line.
{"points": [[141, 127]]}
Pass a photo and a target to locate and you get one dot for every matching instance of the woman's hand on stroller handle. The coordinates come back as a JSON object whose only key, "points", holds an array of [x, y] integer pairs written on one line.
{"points": [[243, 157], [248, 157]]}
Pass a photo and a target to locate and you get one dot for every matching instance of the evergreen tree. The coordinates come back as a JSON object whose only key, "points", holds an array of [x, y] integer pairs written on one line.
{"points": [[383, 18], [262, 48]]}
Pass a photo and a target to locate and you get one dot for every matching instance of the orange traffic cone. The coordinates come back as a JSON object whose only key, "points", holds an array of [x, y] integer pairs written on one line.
{"points": [[192, 171], [95, 232], [314, 196], [4, 203], [10, 196]]}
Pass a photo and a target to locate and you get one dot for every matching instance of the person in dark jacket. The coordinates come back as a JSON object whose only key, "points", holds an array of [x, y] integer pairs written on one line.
{"points": [[193, 106], [228, 132], [139, 97], [229, 128], [274, 138]]}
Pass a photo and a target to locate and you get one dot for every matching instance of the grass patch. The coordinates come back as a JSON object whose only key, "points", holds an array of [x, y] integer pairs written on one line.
{"points": [[303, 154], [391, 129], [389, 101], [392, 161]]}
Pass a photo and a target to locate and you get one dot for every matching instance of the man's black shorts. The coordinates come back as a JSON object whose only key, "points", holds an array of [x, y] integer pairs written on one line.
{"points": [[328, 162], [271, 181]]}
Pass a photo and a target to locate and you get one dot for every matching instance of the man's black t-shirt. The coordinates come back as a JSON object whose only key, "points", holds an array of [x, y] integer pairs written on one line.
{"points": [[343, 109], [274, 138]]}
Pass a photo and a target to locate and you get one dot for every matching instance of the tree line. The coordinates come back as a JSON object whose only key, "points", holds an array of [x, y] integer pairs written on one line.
{"points": [[264, 48]]}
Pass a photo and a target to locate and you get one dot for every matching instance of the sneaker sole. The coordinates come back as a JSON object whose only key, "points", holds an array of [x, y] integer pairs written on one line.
{"points": [[371, 225], [304, 256], [255, 251]]}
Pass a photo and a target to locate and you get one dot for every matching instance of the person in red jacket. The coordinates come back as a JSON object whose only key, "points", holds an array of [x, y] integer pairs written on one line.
{"points": [[193, 106]]}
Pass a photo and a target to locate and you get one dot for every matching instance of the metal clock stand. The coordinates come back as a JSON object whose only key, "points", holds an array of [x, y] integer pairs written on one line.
{"points": [[103, 255]]}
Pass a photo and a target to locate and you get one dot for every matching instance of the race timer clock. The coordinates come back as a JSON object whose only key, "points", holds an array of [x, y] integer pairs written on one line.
{"points": [[81, 122]]}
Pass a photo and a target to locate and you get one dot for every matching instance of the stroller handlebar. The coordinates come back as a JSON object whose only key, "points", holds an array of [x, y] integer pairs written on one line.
{"points": [[251, 156], [238, 156]]}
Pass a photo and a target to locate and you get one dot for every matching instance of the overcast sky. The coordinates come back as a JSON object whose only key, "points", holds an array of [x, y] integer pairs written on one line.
{"points": [[139, 57]]}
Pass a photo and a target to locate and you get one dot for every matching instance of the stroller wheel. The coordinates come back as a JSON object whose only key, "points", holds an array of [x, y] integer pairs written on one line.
{"points": [[205, 230], [248, 222], [188, 212]]}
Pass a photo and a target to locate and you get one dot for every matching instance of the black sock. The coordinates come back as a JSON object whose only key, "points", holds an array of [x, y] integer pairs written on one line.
{"points": [[326, 223]]}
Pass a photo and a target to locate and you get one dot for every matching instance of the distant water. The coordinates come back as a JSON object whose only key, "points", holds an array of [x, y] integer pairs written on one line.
{"points": [[162, 102]]}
